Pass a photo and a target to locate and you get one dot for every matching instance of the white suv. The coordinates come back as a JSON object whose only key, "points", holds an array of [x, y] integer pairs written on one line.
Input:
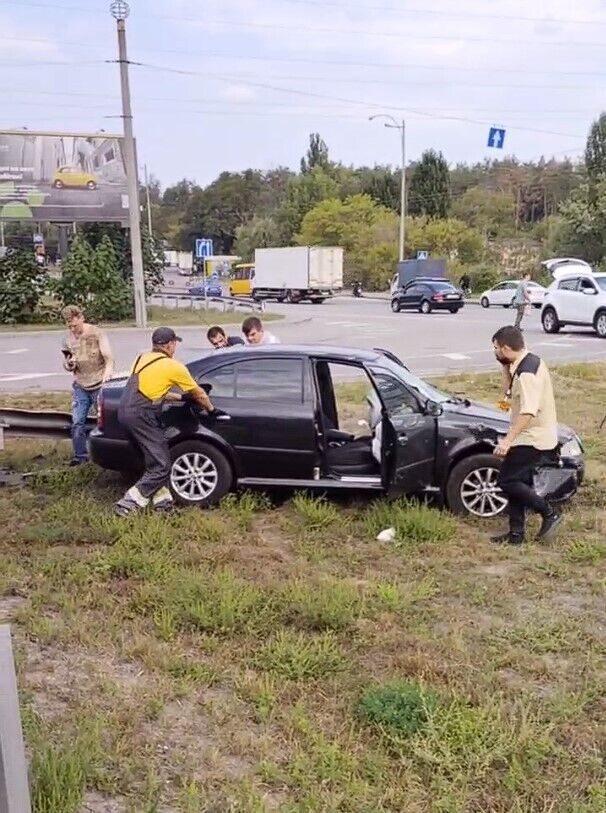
{"points": [[576, 298]]}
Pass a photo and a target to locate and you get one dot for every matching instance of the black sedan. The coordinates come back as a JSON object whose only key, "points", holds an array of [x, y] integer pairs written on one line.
{"points": [[283, 428], [427, 295]]}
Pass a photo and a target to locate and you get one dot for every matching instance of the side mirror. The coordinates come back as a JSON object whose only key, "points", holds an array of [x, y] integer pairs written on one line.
{"points": [[589, 291], [433, 409]]}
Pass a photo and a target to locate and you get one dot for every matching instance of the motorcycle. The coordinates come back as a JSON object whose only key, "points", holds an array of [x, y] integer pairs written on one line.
{"points": [[357, 289]]}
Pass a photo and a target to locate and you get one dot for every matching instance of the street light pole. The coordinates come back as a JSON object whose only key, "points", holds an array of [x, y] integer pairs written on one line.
{"points": [[120, 11], [393, 124], [148, 198]]}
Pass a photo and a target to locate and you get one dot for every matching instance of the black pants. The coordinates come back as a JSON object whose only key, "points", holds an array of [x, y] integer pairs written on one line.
{"points": [[516, 480], [145, 430]]}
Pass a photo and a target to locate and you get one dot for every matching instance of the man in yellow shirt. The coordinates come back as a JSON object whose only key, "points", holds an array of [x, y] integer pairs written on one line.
{"points": [[152, 376]]}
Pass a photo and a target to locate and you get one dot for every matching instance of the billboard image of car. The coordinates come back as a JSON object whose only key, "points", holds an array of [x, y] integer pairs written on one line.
{"points": [[62, 177]]}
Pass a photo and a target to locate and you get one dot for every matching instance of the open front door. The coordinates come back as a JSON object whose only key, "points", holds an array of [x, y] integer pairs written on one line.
{"points": [[408, 442]]}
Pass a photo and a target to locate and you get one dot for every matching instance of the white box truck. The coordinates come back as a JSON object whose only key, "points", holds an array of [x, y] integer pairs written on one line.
{"points": [[296, 274]]}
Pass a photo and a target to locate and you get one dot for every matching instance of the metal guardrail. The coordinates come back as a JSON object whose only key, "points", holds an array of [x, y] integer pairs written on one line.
{"points": [[196, 302], [14, 791], [24, 423]]}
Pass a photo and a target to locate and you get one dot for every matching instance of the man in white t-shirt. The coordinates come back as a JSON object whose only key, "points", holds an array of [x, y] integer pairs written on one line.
{"points": [[255, 333]]}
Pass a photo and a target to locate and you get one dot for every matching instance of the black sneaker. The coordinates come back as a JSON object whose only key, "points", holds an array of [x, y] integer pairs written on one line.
{"points": [[549, 526], [507, 539], [75, 462]]}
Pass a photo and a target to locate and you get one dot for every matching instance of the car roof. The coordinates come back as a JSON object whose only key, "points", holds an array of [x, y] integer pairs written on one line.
{"points": [[580, 272], [240, 351]]}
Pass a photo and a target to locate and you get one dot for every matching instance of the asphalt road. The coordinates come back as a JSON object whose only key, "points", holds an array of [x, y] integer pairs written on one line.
{"points": [[430, 345]]}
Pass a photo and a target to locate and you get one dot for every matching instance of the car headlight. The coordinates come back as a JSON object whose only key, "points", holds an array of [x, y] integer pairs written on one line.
{"points": [[572, 448]]}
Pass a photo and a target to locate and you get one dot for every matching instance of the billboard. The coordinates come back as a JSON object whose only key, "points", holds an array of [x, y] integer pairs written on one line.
{"points": [[62, 177]]}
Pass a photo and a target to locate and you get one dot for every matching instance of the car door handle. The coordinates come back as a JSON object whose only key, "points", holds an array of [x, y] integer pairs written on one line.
{"points": [[402, 438], [223, 418]]}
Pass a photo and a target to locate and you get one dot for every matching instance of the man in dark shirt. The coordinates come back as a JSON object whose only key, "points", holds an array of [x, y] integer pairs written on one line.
{"points": [[218, 338]]}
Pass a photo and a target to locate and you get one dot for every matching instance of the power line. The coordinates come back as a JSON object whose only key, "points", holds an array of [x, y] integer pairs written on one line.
{"points": [[366, 104], [398, 12]]}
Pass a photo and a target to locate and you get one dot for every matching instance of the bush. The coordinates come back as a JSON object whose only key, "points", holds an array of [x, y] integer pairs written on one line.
{"points": [[400, 708], [22, 283]]}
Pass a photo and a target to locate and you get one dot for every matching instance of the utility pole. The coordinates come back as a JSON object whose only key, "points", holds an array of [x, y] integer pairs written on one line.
{"points": [[120, 11], [149, 211], [393, 124]]}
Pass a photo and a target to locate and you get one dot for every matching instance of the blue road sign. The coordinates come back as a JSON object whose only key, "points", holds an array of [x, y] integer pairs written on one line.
{"points": [[422, 255], [204, 248], [496, 137]]}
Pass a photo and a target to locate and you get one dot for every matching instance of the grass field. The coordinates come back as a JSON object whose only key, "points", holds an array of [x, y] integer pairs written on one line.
{"points": [[156, 315], [272, 656]]}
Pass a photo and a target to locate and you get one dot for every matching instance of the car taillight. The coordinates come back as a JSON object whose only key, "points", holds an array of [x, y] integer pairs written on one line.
{"points": [[438, 297], [100, 411]]}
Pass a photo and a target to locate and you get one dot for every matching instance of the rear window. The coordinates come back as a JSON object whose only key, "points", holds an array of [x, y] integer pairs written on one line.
{"points": [[442, 287]]}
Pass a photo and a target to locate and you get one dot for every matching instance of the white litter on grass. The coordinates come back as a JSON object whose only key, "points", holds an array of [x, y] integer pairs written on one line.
{"points": [[388, 535]]}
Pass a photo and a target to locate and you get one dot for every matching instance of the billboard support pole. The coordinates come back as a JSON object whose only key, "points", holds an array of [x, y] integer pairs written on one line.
{"points": [[120, 11], [2, 243]]}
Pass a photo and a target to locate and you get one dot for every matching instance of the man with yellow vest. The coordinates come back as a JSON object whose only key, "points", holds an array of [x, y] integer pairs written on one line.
{"points": [[152, 376]]}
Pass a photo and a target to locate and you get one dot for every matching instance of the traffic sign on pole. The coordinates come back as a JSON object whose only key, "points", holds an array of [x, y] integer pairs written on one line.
{"points": [[204, 248], [496, 137]]}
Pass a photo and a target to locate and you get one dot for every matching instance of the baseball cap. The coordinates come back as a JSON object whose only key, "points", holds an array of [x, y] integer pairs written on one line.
{"points": [[164, 335]]}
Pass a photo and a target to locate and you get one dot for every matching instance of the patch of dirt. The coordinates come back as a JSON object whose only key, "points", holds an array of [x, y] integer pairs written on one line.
{"points": [[96, 803], [499, 569], [9, 605]]}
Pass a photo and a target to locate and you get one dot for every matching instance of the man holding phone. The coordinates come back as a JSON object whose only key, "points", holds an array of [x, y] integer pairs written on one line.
{"points": [[87, 354]]}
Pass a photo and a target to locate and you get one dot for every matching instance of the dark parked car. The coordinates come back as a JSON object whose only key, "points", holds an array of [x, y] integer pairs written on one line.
{"points": [[212, 286], [427, 295], [283, 429]]}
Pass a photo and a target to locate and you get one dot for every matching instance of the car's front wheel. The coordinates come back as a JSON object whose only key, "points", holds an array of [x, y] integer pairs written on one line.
{"points": [[454, 310], [200, 475], [473, 487], [425, 306], [91, 185], [58, 184], [485, 302], [600, 324], [395, 306], [550, 321]]}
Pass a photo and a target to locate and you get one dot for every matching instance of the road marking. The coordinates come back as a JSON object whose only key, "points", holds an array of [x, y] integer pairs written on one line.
{"points": [[456, 356], [14, 352]]}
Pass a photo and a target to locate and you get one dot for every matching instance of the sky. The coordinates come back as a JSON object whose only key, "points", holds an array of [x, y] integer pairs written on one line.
{"points": [[223, 85]]}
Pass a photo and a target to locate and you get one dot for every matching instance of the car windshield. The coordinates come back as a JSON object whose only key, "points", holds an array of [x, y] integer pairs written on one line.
{"points": [[426, 391], [601, 281]]}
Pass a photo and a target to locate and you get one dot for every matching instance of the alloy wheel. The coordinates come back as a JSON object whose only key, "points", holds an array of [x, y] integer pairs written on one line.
{"points": [[481, 495], [193, 476]]}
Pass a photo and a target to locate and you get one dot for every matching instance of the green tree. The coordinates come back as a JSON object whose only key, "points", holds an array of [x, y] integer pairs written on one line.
{"points": [[429, 192], [595, 151], [22, 284], [76, 280], [110, 297], [448, 238], [260, 232], [317, 154], [491, 213], [302, 194]]}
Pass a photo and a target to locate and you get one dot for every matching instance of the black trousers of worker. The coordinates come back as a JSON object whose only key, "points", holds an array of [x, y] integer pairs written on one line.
{"points": [[142, 421], [516, 481]]}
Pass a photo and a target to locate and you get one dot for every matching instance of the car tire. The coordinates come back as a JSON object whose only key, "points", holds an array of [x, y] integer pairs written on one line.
{"points": [[91, 185], [507, 307], [425, 307], [454, 310], [58, 184], [395, 306], [599, 324], [317, 301], [472, 489], [550, 321], [215, 472], [485, 302]]}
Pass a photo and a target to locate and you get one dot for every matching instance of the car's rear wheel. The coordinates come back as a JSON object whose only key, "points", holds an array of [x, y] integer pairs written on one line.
{"points": [[395, 306], [473, 487], [600, 324], [58, 184], [454, 310], [91, 185], [550, 321], [200, 474], [425, 306], [485, 302]]}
